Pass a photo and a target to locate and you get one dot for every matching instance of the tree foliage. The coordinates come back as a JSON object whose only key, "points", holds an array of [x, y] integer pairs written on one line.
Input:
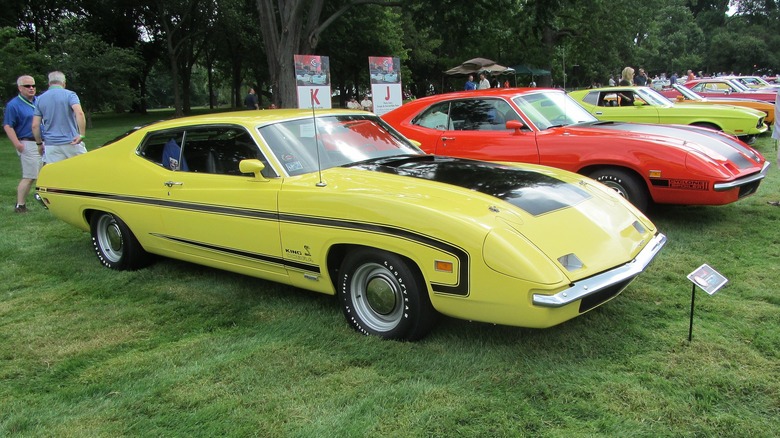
{"points": [[212, 50]]}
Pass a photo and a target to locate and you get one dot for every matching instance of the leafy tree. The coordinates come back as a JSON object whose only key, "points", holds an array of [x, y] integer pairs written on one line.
{"points": [[736, 51], [293, 27], [183, 26], [17, 59], [118, 23], [679, 41], [371, 30], [97, 72]]}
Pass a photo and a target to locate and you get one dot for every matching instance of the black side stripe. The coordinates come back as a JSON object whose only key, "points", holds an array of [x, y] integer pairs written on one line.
{"points": [[460, 288], [246, 254]]}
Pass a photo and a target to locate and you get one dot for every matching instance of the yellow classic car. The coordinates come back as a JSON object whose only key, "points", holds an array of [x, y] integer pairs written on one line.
{"points": [[646, 105], [342, 204]]}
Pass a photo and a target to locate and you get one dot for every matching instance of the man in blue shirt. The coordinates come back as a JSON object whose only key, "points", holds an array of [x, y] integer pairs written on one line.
{"points": [[17, 123], [470, 84], [59, 123]]}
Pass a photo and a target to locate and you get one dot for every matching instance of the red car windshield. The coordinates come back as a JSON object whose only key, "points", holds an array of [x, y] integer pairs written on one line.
{"points": [[547, 109]]}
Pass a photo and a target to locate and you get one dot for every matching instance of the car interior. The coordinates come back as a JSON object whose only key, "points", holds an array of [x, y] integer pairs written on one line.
{"points": [[214, 150]]}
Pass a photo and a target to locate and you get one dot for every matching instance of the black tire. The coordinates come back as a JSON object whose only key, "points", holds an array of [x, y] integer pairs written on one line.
{"points": [[626, 184], [115, 245], [382, 295]]}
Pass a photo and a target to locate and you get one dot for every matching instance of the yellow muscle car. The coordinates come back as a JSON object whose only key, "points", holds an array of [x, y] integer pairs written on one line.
{"points": [[342, 204], [645, 105]]}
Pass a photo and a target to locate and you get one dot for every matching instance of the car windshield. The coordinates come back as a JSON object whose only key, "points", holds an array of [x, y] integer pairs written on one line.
{"points": [[547, 109], [652, 97], [738, 85], [340, 140], [687, 92]]}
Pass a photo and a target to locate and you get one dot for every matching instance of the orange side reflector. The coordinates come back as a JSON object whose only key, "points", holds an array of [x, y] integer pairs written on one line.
{"points": [[443, 266]]}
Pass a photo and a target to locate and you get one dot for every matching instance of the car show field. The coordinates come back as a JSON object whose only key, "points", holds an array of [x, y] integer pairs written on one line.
{"points": [[179, 349]]}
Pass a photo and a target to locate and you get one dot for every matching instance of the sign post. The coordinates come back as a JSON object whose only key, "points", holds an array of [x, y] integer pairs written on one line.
{"points": [[707, 279]]}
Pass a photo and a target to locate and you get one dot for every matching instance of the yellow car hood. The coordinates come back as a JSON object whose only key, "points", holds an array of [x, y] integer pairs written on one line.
{"points": [[562, 214]]}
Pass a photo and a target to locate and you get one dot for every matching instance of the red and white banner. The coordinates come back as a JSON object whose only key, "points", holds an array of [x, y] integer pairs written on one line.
{"points": [[312, 75], [386, 87]]}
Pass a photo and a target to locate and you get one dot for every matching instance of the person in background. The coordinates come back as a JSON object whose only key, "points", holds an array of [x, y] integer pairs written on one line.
{"points": [[17, 123], [641, 79], [611, 81], [353, 104], [484, 84], [367, 104], [627, 77], [470, 84], [673, 79], [690, 76], [251, 101], [59, 122]]}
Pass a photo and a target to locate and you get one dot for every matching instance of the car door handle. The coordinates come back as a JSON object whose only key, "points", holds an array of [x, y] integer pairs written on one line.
{"points": [[172, 183], [447, 138], [598, 113]]}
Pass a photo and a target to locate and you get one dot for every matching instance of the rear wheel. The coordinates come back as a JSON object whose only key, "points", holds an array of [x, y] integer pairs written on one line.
{"points": [[382, 295], [626, 184], [115, 245]]}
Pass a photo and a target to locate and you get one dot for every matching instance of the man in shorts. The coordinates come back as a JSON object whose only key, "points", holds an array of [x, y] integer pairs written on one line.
{"points": [[17, 123], [58, 122]]}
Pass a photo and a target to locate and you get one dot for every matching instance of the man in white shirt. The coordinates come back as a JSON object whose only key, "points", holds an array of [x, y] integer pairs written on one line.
{"points": [[483, 82]]}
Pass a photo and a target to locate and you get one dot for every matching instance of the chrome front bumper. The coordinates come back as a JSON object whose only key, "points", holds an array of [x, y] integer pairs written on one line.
{"points": [[743, 181], [597, 283], [41, 201]]}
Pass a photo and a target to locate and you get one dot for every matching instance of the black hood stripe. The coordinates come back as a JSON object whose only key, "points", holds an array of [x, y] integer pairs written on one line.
{"points": [[533, 191]]}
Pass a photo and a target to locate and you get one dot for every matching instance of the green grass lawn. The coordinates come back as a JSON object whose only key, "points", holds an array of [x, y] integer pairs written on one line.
{"points": [[181, 350]]}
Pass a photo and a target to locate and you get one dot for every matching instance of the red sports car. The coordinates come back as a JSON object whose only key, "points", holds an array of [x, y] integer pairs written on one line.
{"points": [[666, 164], [722, 87]]}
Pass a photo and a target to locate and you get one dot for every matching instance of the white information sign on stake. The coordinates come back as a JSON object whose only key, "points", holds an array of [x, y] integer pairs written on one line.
{"points": [[708, 279]]}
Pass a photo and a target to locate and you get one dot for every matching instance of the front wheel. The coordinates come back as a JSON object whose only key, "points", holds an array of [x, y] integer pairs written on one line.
{"points": [[625, 184], [382, 295], [115, 245]]}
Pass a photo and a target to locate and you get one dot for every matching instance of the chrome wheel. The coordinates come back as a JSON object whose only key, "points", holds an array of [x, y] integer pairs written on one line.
{"points": [[383, 294], [109, 238], [377, 296]]}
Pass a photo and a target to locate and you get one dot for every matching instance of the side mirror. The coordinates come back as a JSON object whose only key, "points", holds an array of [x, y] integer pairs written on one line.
{"points": [[680, 97], [637, 102], [254, 166], [514, 124]]}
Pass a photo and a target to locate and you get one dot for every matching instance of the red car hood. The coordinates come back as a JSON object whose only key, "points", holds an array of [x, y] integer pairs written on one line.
{"points": [[689, 138]]}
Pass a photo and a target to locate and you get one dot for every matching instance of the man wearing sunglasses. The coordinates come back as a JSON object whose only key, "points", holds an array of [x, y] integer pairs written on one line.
{"points": [[58, 122], [17, 123]]}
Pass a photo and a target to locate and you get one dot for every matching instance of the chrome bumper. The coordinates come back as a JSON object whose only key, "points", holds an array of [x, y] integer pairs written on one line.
{"points": [[743, 181], [592, 285], [41, 201]]}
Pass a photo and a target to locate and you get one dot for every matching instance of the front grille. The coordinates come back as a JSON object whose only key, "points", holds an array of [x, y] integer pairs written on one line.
{"points": [[603, 295], [749, 189]]}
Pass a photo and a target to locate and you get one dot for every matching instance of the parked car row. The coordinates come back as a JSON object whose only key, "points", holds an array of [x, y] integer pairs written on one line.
{"points": [[645, 163], [679, 93], [724, 86], [507, 206], [646, 105]]}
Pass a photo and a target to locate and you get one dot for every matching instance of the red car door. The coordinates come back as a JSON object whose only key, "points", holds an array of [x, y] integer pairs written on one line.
{"points": [[476, 128]]}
